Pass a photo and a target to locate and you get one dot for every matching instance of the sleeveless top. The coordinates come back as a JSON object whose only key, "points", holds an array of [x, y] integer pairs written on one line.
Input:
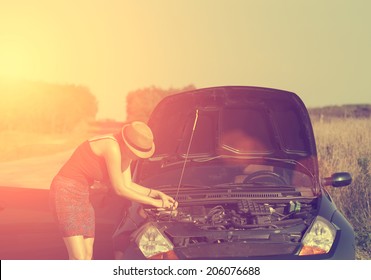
{"points": [[86, 167]]}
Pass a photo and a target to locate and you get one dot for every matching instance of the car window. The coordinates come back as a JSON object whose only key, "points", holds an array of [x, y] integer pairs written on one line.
{"points": [[225, 172]]}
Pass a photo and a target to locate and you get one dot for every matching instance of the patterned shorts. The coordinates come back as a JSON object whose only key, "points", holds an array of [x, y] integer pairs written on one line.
{"points": [[69, 201]]}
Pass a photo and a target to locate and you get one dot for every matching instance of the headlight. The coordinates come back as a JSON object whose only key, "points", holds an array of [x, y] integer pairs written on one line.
{"points": [[319, 238], [152, 242]]}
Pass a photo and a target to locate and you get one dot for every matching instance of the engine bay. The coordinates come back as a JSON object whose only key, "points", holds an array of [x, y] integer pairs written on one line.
{"points": [[244, 214]]}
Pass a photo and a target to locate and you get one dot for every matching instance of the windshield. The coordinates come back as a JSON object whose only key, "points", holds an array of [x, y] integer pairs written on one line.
{"points": [[219, 172]]}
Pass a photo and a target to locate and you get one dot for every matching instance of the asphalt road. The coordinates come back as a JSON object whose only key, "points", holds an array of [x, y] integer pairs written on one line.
{"points": [[27, 228], [36, 172]]}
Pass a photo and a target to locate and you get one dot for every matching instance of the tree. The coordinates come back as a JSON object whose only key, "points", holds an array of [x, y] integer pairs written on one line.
{"points": [[43, 107], [141, 102]]}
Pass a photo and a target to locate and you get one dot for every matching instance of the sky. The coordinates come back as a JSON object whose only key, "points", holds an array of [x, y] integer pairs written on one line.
{"points": [[319, 49]]}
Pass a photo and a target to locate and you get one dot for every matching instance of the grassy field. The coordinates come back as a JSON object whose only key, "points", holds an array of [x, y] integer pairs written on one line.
{"points": [[343, 145]]}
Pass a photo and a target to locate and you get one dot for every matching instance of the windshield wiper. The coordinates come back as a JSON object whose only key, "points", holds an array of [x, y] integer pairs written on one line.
{"points": [[252, 184]]}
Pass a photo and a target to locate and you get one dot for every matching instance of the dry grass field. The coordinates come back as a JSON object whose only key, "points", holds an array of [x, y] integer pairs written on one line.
{"points": [[345, 145]]}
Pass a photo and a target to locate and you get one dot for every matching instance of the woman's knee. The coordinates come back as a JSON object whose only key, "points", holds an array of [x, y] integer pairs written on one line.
{"points": [[89, 255], [83, 254], [77, 249]]}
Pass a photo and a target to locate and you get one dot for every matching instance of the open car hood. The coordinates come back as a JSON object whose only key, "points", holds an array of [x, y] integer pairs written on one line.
{"points": [[233, 121]]}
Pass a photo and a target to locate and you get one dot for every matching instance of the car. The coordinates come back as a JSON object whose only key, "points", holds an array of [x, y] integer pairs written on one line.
{"points": [[242, 164]]}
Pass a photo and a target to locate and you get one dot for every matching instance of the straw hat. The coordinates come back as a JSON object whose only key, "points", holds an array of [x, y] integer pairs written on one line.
{"points": [[138, 138]]}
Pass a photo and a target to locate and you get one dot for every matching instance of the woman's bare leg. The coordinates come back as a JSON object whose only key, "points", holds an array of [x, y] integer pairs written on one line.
{"points": [[89, 243], [79, 248]]}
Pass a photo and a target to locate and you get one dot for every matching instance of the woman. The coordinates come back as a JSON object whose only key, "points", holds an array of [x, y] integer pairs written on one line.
{"points": [[105, 159]]}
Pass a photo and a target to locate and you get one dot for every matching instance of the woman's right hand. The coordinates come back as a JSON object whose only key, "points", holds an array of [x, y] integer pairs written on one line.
{"points": [[167, 204], [166, 201]]}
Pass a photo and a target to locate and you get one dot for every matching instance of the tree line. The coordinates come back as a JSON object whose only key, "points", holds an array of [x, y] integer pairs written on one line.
{"points": [[43, 107], [53, 108], [357, 111], [141, 102]]}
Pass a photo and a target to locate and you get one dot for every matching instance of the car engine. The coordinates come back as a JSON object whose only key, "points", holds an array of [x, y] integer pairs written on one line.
{"points": [[245, 214]]}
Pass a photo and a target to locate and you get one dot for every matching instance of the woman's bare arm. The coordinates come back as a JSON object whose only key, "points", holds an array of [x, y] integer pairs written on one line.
{"points": [[120, 182]]}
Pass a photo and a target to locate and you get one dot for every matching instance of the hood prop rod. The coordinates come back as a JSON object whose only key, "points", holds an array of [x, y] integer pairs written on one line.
{"points": [[186, 157]]}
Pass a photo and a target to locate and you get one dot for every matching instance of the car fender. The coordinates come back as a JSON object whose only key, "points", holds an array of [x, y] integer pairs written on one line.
{"points": [[346, 237]]}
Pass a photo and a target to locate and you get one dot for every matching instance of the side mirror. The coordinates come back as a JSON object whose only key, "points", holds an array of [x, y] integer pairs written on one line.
{"points": [[339, 179]]}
